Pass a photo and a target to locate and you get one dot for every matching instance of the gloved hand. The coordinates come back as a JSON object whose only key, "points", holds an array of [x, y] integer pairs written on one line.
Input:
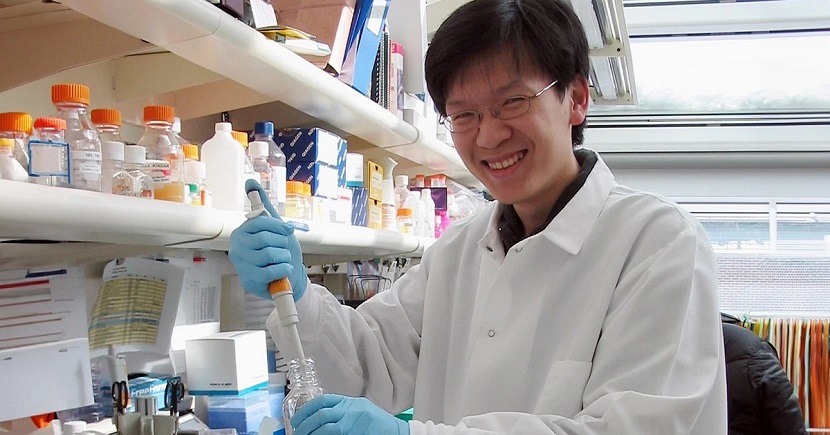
{"points": [[264, 249], [331, 414]]}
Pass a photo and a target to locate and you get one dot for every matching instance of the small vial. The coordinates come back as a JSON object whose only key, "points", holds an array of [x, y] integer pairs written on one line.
{"points": [[113, 176], [108, 124], [303, 387], [406, 225], [49, 153], [195, 175], [141, 184], [294, 202]]}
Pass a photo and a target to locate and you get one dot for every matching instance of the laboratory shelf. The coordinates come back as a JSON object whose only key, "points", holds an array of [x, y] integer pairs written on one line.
{"points": [[40, 225]]}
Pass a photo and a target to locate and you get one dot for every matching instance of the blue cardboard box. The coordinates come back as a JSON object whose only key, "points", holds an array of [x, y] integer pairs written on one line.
{"points": [[360, 201], [321, 177], [341, 163], [147, 384], [309, 145]]}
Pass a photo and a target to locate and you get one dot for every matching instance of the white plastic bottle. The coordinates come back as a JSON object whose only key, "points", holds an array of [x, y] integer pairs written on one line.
{"points": [[401, 190], [224, 160], [389, 212], [10, 168], [428, 217], [413, 201]]}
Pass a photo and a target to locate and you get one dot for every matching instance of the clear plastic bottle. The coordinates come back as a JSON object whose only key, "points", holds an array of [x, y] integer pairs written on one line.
{"points": [[303, 387], [141, 185], [258, 153], [405, 223], [10, 168], [17, 126], [96, 411], [294, 202], [224, 160], [165, 158], [49, 163], [429, 212], [72, 100], [108, 124], [264, 131], [413, 202], [401, 190], [113, 176]]}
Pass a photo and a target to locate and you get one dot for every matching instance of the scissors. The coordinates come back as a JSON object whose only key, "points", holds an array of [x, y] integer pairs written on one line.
{"points": [[173, 394], [120, 396]]}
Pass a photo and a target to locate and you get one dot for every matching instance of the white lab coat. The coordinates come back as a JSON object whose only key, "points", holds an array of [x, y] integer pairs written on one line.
{"points": [[604, 323]]}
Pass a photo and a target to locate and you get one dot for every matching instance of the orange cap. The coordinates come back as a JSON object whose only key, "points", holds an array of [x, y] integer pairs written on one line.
{"points": [[294, 187], [240, 137], [307, 189], [405, 212], [106, 116], [55, 123], [191, 151], [70, 93], [158, 113], [20, 122]]}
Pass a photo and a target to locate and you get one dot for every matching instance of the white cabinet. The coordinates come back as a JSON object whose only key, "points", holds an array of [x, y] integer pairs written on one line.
{"points": [[191, 55]]}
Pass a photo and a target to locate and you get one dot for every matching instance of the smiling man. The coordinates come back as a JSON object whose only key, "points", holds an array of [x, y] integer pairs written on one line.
{"points": [[570, 305]]}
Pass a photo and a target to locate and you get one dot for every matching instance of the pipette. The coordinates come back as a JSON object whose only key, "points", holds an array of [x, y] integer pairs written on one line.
{"points": [[280, 290]]}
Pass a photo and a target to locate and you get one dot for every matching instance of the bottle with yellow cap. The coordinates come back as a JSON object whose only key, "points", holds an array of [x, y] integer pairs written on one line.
{"points": [[16, 127], [10, 168], [108, 123], [49, 164], [294, 202], [72, 101], [165, 158]]}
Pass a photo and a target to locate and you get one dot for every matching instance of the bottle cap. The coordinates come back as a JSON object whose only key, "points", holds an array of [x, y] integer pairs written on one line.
{"points": [[241, 137], [258, 148], [70, 93], [53, 123], [195, 170], [295, 187], [106, 116], [20, 122], [191, 151], [306, 189], [405, 212], [264, 127], [6, 143], [135, 154], [158, 113], [223, 126], [401, 181], [112, 150]]}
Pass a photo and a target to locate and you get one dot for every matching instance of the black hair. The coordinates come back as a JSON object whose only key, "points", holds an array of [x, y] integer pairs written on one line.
{"points": [[541, 34]]}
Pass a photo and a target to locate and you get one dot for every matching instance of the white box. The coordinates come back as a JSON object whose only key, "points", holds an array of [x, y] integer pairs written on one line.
{"points": [[227, 363]]}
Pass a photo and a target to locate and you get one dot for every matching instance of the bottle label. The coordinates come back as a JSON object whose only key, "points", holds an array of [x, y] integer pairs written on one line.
{"points": [[48, 158], [158, 170], [87, 164]]}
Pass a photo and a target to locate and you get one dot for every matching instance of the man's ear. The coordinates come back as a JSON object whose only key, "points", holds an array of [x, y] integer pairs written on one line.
{"points": [[580, 97]]}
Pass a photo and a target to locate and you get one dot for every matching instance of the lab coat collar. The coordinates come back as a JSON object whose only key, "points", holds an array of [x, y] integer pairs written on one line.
{"points": [[571, 226]]}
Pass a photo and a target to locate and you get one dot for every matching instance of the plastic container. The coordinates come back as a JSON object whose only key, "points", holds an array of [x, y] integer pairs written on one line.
{"points": [[165, 158], [113, 177], [49, 162], [224, 160], [141, 184], [10, 168], [72, 100], [17, 126], [264, 132], [195, 176], [294, 201], [406, 225], [428, 217], [303, 387], [108, 124]]}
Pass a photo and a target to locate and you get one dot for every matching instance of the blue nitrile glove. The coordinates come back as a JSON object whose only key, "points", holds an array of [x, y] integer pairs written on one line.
{"points": [[264, 249], [335, 415]]}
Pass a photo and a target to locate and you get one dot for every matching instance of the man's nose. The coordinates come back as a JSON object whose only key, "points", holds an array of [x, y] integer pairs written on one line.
{"points": [[492, 131]]}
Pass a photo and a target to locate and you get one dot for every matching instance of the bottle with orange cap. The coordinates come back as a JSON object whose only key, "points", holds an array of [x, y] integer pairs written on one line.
{"points": [[108, 123], [72, 101], [165, 158], [16, 127], [49, 163]]}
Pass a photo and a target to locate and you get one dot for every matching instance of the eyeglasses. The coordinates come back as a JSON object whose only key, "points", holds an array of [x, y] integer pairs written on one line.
{"points": [[508, 109]]}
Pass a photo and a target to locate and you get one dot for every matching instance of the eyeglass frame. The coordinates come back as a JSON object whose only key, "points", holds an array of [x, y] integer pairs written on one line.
{"points": [[446, 120]]}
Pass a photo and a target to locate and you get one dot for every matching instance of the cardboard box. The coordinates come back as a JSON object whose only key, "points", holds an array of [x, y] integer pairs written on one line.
{"points": [[374, 210], [321, 177], [227, 363], [374, 180], [309, 145], [360, 197], [329, 20], [368, 42]]}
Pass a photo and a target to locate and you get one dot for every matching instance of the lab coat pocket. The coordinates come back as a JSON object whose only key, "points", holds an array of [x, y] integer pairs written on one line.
{"points": [[561, 394]]}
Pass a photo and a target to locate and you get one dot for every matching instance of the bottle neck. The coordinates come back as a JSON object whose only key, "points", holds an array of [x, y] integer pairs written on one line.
{"points": [[302, 375], [66, 106], [108, 128]]}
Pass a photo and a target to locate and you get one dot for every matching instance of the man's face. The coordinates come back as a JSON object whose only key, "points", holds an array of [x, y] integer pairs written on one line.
{"points": [[526, 160]]}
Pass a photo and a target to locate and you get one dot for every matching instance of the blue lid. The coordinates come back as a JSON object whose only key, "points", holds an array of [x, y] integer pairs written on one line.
{"points": [[264, 127]]}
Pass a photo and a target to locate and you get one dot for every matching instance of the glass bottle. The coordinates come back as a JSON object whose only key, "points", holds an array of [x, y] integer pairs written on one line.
{"points": [[165, 158], [49, 162], [108, 124], [294, 202], [248, 172], [141, 184], [258, 153], [303, 387], [113, 176], [10, 168], [72, 100], [264, 131], [17, 126]]}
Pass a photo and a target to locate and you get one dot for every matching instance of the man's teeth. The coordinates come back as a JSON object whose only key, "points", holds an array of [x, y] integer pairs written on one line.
{"points": [[507, 162]]}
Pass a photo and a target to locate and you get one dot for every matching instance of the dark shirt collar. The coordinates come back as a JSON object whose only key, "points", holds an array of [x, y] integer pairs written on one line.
{"points": [[511, 229]]}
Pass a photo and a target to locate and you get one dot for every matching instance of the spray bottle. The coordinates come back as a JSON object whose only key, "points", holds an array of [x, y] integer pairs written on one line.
{"points": [[389, 209]]}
